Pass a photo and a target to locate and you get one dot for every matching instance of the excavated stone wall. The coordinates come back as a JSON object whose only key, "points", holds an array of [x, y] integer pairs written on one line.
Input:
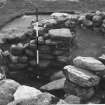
{"points": [[55, 42], [84, 78]]}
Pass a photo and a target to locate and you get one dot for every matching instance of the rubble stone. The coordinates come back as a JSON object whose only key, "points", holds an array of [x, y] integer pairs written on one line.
{"points": [[42, 99], [73, 89], [26, 92], [72, 99], [7, 89]]}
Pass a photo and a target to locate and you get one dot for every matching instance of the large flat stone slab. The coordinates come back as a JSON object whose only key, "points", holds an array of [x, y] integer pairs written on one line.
{"points": [[54, 85], [80, 76], [89, 63], [62, 33]]}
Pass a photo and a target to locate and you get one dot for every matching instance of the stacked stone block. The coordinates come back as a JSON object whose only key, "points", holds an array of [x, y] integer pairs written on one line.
{"points": [[82, 79]]}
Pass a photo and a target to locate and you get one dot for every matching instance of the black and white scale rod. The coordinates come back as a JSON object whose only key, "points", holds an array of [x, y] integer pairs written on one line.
{"points": [[37, 35]]}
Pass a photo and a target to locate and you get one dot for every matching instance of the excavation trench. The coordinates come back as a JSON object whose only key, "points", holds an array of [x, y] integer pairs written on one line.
{"points": [[87, 43]]}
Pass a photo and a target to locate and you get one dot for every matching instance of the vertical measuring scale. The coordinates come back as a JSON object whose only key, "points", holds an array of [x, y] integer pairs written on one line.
{"points": [[37, 35]]}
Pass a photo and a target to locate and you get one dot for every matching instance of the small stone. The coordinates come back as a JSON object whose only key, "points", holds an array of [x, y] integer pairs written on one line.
{"points": [[49, 22], [72, 99], [54, 85], [26, 92], [89, 63], [81, 18], [87, 23], [40, 40], [98, 12], [73, 89], [97, 20], [70, 24], [80, 76], [33, 42]]}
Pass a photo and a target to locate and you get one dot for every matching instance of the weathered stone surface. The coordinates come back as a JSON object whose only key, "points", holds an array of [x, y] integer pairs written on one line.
{"points": [[25, 92], [42, 99], [60, 16], [63, 32], [72, 99], [80, 76], [54, 85], [73, 89], [89, 63], [7, 89]]}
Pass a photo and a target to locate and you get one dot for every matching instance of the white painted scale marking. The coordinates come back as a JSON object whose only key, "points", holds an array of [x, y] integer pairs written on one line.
{"points": [[37, 35]]}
